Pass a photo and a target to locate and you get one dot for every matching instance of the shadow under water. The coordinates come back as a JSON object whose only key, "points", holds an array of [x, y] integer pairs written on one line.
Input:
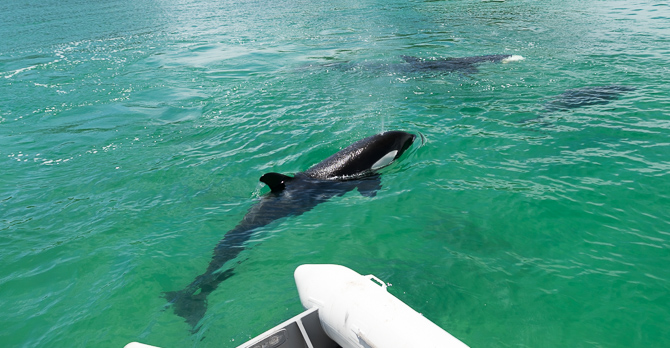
{"points": [[586, 96], [413, 64], [578, 98]]}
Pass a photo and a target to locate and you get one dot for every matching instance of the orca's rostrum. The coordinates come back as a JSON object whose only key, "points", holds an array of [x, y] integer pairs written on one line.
{"points": [[353, 167]]}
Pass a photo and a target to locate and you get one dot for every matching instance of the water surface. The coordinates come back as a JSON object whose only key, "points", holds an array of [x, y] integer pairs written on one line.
{"points": [[133, 134]]}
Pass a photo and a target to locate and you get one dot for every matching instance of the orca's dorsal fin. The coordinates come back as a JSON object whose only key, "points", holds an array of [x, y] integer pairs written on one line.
{"points": [[275, 181]]}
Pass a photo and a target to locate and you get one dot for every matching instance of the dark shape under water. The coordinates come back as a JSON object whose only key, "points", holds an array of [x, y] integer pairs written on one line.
{"points": [[586, 96], [463, 64], [350, 168], [416, 64]]}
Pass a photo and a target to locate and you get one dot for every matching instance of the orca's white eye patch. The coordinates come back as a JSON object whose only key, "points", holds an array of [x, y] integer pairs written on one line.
{"points": [[384, 161]]}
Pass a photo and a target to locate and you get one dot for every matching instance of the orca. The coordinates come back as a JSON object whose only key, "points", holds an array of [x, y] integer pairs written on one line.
{"points": [[462, 64], [355, 167], [418, 65], [586, 96], [579, 97]]}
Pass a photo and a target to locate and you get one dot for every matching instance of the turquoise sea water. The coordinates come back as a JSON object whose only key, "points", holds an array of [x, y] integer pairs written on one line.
{"points": [[133, 134]]}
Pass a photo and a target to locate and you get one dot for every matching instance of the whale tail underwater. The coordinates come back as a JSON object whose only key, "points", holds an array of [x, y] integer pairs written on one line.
{"points": [[354, 167]]}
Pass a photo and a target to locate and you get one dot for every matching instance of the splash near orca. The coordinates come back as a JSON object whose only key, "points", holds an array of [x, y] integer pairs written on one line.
{"points": [[354, 167]]}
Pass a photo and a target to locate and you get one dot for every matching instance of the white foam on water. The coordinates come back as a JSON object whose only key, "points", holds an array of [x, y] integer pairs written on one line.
{"points": [[514, 58]]}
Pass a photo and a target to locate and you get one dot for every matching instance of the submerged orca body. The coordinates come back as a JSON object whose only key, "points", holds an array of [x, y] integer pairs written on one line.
{"points": [[419, 65], [586, 96], [463, 64], [351, 168]]}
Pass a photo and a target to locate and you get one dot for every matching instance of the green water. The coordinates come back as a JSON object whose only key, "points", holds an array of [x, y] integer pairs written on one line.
{"points": [[133, 134]]}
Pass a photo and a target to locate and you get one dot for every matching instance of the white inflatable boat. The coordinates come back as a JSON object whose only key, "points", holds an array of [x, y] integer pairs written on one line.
{"points": [[349, 310]]}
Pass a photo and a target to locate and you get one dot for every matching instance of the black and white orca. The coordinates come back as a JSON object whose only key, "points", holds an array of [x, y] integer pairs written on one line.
{"points": [[355, 167]]}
